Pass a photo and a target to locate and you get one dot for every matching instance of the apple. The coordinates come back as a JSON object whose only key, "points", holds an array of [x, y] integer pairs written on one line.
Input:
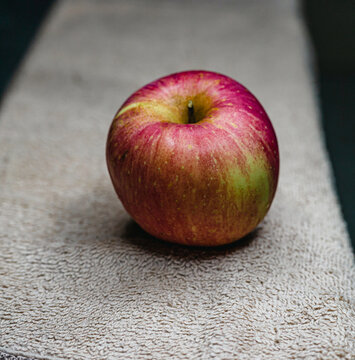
{"points": [[194, 158]]}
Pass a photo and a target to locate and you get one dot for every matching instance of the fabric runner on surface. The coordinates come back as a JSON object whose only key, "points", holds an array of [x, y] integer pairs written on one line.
{"points": [[80, 280]]}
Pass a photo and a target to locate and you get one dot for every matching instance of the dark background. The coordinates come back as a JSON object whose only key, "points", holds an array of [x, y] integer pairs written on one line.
{"points": [[331, 25], [332, 31]]}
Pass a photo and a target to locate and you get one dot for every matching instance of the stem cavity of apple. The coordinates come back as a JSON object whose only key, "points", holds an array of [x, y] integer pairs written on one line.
{"points": [[191, 115]]}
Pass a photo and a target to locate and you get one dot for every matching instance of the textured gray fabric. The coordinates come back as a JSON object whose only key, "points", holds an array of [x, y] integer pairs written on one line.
{"points": [[79, 280], [4, 356]]}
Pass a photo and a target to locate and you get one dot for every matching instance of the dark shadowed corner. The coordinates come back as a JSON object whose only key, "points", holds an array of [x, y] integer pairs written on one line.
{"points": [[19, 23]]}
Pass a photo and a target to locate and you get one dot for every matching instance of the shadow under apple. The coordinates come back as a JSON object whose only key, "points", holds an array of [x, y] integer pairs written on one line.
{"points": [[133, 233], [97, 218]]}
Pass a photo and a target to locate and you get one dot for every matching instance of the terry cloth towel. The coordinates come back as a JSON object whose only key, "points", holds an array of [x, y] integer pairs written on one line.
{"points": [[78, 278]]}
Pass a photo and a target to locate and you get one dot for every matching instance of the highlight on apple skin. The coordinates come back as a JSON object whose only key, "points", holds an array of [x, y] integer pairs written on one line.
{"points": [[194, 159]]}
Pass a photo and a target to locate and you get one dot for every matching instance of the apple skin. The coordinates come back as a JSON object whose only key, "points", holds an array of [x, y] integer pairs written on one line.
{"points": [[207, 183]]}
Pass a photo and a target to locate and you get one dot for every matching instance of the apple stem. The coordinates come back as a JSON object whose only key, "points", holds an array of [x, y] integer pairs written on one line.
{"points": [[191, 115]]}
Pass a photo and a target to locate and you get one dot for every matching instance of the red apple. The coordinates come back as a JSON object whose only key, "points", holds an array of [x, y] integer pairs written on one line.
{"points": [[194, 158]]}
